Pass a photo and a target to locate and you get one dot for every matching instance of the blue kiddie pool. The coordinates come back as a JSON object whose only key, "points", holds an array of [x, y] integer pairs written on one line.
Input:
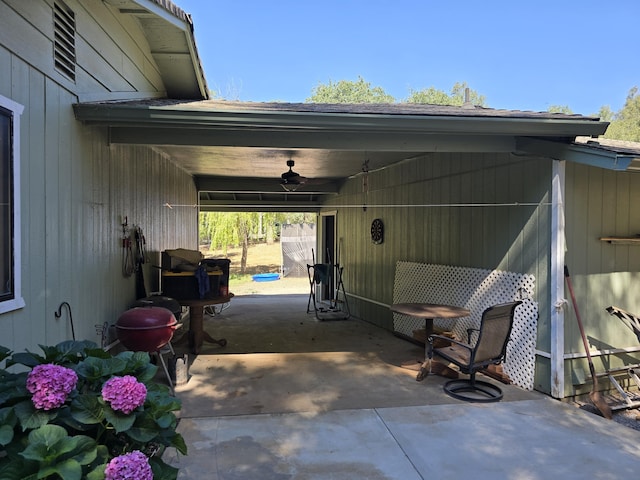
{"points": [[266, 277]]}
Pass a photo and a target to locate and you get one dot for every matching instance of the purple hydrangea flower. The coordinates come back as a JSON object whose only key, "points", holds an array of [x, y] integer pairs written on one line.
{"points": [[130, 466], [50, 384], [124, 394]]}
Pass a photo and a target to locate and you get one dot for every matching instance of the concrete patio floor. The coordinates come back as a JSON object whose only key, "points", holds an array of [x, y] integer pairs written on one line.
{"points": [[293, 398]]}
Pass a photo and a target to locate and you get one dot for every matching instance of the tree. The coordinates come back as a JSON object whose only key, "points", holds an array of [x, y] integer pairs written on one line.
{"points": [[626, 123], [346, 91], [606, 114], [560, 109], [433, 96], [236, 229]]}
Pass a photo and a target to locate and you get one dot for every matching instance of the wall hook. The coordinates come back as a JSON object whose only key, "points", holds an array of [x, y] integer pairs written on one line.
{"points": [[58, 314]]}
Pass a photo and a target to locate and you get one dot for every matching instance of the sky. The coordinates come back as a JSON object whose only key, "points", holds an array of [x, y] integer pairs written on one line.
{"points": [[519, 54]]}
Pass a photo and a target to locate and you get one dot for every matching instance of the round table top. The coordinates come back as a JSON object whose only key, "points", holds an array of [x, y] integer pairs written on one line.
{"points": [[430, 310]]}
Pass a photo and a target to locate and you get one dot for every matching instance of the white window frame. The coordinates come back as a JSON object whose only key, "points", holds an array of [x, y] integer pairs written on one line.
{"points": [[17, 301]]}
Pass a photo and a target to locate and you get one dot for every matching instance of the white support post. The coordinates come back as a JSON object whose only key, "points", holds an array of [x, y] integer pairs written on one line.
{"points": [[558, 247]]}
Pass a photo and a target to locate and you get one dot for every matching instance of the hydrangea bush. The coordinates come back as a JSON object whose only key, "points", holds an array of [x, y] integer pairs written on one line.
{"points": [[76, 412]]}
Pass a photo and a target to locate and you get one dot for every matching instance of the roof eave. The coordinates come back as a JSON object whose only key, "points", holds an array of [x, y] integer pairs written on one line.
{"points": [[582, 154], [189, 84], [115, 114]]}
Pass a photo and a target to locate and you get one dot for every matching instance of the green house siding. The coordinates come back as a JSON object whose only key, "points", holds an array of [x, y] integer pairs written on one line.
{"points": [[601, 203], [76, 188], [478, 210]]}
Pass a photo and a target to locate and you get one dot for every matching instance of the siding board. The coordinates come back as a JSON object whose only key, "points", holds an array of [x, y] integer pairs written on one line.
{"points": [[75, 189], [446, 234]]}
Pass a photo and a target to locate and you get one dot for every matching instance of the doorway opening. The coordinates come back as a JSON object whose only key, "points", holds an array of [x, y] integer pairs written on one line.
{"points": [[268, 251]]}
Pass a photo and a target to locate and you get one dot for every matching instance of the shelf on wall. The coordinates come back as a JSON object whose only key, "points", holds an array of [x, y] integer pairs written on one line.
{"points": [[622, 240]]}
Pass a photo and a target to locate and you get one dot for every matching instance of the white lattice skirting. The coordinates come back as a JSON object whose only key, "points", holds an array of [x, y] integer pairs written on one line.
{"points": [[475, 289]]}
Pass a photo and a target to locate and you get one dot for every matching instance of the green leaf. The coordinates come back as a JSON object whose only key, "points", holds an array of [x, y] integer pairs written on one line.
{"points": [[76, 347], [97, 352], [30, 417], [159, 399], [8, 416], [177, 441], [120, 421], [87, 409], [85, 449], [68, 352], [57, 452], [25, 358], [13, 388], [162, 471], [166, 421], [68, 469], [93, 368], [48, 434], [144, 429], [139, 365], [97, 473], [6, 434], [43, 442], [4, 353], [17, 469], [103, 454]]}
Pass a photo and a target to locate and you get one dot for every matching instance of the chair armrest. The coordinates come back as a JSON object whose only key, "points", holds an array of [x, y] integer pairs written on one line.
{"points": [[469, 332], [449, 339]]}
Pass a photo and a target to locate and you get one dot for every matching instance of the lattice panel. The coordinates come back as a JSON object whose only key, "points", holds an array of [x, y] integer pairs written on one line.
{"points": [[475, 289]]}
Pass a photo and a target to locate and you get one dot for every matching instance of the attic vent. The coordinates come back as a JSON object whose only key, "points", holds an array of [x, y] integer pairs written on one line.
{"points": [[64, 45]]}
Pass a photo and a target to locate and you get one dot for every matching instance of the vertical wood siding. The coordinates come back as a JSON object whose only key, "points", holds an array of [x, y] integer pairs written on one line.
{"points": [[600, 203], [445, 208], [75, 188]]}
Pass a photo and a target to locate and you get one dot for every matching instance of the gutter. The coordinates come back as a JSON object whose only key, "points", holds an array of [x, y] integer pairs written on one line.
{"points": [[200, 115]]}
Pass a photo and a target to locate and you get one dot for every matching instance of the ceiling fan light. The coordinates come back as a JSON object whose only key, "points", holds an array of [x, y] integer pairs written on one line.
{"points": [[290, 179], [289, 187]]}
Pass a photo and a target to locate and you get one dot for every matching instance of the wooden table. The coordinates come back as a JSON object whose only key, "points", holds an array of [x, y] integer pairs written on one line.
{"points": [[197, 334], [429, 311]]}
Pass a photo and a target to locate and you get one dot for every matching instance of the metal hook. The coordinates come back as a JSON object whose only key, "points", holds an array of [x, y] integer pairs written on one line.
{"points": [[58, 314]]}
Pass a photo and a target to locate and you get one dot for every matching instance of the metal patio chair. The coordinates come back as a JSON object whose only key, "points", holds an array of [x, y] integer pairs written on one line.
{"points": [[490, 348]]}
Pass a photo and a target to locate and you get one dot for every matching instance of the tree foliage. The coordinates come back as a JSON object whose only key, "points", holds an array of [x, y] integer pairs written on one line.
{"points": [[606, 114], [361, 91], [456, 97], [560, 109], [237, 229], [626, 123], [346, 91]]}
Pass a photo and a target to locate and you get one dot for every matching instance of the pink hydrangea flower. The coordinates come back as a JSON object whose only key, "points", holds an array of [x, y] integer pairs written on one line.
{"points": [[50, 384], [124, 394], [130, 466]]}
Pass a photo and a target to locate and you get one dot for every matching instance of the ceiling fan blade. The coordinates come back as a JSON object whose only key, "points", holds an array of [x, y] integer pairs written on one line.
{"points": [[290, 177]]}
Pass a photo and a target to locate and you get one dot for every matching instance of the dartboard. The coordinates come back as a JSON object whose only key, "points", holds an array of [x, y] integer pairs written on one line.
{"points": [[377, 231]]}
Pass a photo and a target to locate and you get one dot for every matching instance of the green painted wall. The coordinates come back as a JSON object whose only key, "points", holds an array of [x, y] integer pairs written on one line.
{"points": [[75, 188], [448, 209], [601, 203]]}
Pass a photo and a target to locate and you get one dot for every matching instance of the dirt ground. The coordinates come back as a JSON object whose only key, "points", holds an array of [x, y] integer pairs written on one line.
{"points": [[261, 258]]}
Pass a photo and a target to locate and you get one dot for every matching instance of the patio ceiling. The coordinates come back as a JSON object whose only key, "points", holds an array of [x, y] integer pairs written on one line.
{"points": [[236, 151]]}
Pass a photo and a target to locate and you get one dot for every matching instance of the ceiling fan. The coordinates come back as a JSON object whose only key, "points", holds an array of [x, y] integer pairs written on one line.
{"points": [[291, 180]]}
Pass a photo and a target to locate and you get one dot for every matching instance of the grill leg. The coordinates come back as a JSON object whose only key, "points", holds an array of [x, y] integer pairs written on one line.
{"points": [[166, 371]]}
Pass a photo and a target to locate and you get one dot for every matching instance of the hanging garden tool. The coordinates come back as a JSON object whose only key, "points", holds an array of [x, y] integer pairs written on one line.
{"points": [[595, 395], [140, 260]]}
